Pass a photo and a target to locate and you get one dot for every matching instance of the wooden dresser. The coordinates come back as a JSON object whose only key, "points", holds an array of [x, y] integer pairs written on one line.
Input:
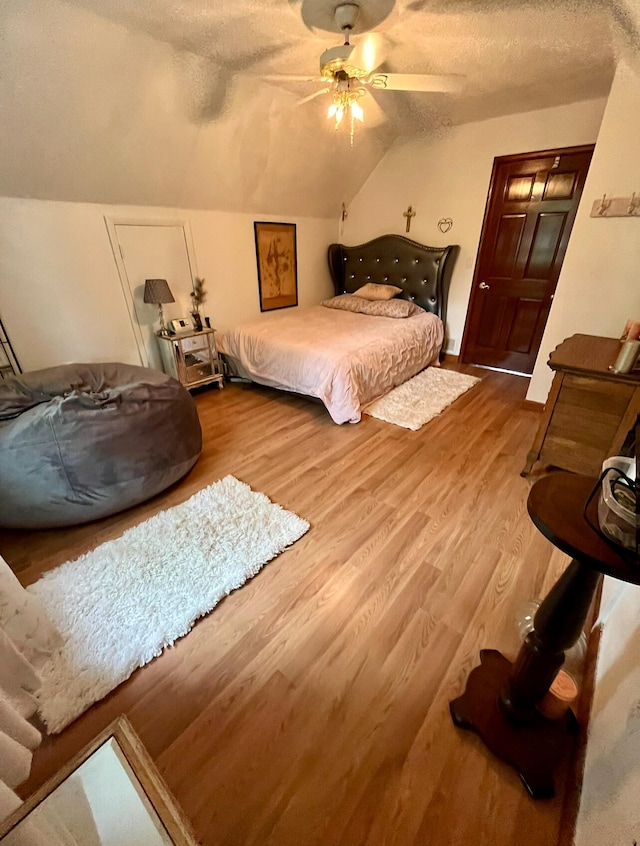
{"points": [[589, 411]]}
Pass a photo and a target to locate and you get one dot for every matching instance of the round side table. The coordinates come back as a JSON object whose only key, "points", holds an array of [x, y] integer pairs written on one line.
{"points": [[500, 698]]}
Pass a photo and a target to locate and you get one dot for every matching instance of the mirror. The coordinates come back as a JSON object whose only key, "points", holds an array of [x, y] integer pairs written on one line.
{"points": [[109, 794]]}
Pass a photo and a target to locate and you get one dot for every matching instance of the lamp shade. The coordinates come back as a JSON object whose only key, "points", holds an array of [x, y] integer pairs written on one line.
{"points": [[157, 291]]}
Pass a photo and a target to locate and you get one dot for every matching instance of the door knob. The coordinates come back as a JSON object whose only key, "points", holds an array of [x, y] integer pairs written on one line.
{"points": [[484, 286]]}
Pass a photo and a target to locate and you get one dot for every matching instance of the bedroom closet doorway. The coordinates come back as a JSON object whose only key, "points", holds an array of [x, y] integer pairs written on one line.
{"points": [[532, 204], [160, 249]]}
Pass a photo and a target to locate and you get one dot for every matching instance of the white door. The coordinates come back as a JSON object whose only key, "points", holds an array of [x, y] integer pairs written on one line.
{"points": [[153, 251]]}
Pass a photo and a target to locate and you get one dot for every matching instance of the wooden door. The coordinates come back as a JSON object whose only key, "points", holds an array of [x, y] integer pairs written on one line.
{"points": [[533, 199]]}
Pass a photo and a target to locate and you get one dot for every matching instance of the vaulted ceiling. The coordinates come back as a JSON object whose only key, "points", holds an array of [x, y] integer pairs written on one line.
{"points": [[163, 102]]}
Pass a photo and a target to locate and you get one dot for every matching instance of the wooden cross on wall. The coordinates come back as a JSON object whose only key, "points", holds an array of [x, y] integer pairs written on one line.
{"points": [[409, 214]]}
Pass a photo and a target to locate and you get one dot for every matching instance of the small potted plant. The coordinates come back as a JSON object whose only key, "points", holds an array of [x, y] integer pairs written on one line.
{"points": [[198, 296]]}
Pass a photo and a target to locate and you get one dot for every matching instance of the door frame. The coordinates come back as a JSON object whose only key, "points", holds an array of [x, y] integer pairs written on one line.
{"points": [[111, 223], [497, 161]]}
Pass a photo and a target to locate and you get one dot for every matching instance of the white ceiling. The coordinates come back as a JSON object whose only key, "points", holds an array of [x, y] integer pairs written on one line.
{"points": [[514, 55], [162, 102]]}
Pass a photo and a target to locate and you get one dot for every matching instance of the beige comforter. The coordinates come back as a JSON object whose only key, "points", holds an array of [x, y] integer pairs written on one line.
{"points": [[345, 359]]}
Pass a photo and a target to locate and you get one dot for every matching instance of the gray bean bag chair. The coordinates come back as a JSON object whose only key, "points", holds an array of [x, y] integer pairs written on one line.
{"points": [[82, 441]]}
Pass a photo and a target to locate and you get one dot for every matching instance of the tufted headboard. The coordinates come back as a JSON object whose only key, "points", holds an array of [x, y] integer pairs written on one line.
{"points": [[423, 273]]}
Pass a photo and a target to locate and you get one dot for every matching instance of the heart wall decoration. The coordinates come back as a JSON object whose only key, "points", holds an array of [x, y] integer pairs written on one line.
{"points": [[445, 224]]}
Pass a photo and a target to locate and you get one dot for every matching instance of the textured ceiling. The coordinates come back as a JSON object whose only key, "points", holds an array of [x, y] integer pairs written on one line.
{"points": [[514, 54], [163, 102]]}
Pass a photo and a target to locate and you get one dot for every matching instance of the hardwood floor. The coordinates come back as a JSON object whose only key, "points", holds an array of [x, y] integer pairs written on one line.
{"points": [[311, 706]]}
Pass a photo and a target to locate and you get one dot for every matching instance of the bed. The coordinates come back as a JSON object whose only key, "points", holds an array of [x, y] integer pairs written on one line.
{"points": [[345, 358]]}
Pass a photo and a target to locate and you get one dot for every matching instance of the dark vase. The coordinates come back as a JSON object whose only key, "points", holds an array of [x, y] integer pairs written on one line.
{"points": [[197, 321]]}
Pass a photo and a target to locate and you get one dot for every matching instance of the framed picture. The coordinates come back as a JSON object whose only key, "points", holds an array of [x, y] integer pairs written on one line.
{"points": [[277, 264]]}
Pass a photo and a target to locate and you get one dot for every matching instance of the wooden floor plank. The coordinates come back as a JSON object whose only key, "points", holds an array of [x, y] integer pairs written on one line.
{"points": [[311, 706]]}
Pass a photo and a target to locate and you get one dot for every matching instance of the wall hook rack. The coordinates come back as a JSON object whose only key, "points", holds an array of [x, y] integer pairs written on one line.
{"points": [[616, 206]]}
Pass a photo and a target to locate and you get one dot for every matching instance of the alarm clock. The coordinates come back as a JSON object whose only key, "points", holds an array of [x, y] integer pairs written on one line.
{"points": [[181, 324]]}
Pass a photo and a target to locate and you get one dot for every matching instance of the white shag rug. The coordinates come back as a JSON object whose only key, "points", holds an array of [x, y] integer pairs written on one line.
{"points": [[422, 398], [120, 605]]}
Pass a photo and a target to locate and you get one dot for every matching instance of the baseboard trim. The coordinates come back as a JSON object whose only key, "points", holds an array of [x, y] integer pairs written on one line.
{"points": [[531, 405], [450, 358]]}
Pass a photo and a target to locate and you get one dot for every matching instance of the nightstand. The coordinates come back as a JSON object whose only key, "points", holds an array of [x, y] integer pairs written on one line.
{"points": [[191, 358]]}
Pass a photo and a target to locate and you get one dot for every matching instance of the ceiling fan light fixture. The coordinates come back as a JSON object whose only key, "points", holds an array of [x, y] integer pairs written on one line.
{"points": [[336, 110], [356, 111], [348, 72], [345, 103]]}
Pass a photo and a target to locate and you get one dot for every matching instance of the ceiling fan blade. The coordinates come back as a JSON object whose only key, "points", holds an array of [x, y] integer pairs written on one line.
{"points": [[449, 84], [369, 53], [288, 77], [313, 96]]}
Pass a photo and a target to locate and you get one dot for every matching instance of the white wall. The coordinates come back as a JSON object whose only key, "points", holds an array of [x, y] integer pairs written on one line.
{"points": [[609, 810], [449, 177], [60, 294], [599, 286]]}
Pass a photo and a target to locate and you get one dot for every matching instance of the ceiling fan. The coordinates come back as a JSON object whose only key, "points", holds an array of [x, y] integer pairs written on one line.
{"points": [[349, 71]]}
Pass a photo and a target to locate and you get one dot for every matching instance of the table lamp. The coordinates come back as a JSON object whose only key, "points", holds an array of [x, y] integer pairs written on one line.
{"points": [[157, 291]]}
